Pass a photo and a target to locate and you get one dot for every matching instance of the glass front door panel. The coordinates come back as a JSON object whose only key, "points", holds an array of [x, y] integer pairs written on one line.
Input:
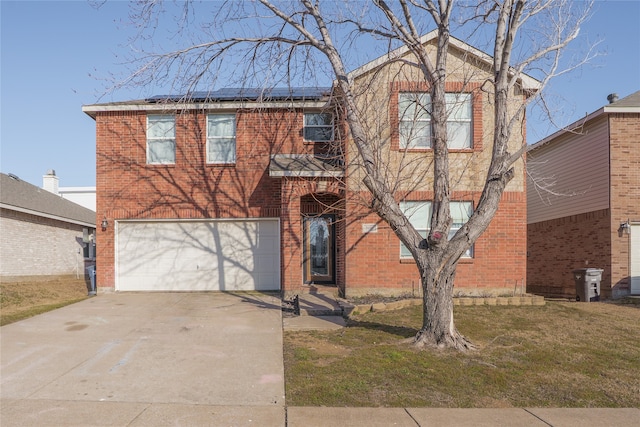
{"points": [[318, 242]]}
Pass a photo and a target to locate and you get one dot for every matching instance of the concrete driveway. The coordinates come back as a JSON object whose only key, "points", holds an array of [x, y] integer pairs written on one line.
{"points": [[147, 359]]}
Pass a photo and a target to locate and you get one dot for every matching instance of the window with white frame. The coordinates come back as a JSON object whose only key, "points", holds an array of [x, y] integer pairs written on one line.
{"points": [[414, 109], [460, 214], [415, 120], [221, 138], [161, 139], [419, 215], [318, 127]]}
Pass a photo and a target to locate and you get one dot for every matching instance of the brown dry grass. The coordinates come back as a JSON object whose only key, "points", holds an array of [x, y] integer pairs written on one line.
{"points": [[28, 297], [558, 355]]}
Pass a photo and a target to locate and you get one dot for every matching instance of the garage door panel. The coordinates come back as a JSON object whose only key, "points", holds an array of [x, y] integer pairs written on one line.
{"points": [[635, 259], [191, 256]]}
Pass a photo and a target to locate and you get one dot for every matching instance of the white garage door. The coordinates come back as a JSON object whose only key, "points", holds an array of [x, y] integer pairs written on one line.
{"points": [[635, 259], [198, 255]]}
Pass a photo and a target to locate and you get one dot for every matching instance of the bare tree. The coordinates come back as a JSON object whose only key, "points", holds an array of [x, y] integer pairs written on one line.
{"points": [[271, 43]]}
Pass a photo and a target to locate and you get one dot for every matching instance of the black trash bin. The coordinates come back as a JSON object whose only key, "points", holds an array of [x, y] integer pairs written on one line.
{"points": [[587, 282], [91, 271]]}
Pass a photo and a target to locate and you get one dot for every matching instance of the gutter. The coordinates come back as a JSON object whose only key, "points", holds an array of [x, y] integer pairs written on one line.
{"points": [[46, 215]]}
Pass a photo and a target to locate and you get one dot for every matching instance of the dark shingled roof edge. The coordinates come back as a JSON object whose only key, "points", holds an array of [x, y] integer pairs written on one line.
{"points": [[19, 195], [249, 94]]}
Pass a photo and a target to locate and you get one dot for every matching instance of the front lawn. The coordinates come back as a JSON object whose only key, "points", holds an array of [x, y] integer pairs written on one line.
{"points": [[29, 297], [557, 355]]}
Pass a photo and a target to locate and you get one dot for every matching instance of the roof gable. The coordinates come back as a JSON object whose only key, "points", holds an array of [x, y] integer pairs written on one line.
{"points": [[628, 104], [528, 82]]}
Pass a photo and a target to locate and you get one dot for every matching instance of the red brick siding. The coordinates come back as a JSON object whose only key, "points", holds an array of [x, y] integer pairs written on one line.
{"points": [[373, 260], [296, 200], [624, 134], [559, 246], [128, 188]]}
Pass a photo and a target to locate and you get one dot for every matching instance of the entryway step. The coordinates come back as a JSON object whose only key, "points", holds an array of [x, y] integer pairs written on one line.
{"points": [[319, 304]]}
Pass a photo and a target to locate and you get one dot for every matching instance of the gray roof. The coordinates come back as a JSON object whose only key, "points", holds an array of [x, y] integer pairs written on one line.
{"points": [[19, 195], [301, 165], [632, 100], [628, 104], [236, 94], [300, 97]]}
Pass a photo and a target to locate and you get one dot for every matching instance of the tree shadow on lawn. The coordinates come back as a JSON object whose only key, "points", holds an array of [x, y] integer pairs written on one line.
{"points": [[401, 331]]}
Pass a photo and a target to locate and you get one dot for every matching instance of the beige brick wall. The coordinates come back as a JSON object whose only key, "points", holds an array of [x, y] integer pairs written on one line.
{"points": [[36, 246]]}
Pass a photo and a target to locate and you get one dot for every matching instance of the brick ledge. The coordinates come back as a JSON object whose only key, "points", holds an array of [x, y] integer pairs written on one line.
{"points": [[528, 300]]}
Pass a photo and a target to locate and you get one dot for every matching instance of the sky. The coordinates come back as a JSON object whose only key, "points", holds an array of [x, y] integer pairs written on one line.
{"points": [[55, 56]]}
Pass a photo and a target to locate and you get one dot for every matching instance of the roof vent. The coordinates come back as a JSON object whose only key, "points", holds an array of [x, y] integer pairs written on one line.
{"points": [[12, 176], [612, 97]]}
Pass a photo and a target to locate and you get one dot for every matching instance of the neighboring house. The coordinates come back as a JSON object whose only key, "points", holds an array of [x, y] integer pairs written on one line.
{"points": [[584, 203], [83, 196], [250, 189], [41, 233]]}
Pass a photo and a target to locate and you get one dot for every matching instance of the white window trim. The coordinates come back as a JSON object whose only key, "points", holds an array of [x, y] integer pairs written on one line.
{"points": [[468, 121], [426, 119], [405, 206], [305, 126], [454, 229], [425, 231], [158, 139], [211, 138]]}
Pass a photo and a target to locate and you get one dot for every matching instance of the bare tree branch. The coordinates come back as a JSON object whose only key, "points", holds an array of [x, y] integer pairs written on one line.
{"points": [[274, 41]]}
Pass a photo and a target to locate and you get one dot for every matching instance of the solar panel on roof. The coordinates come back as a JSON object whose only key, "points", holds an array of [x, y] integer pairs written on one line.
{"points": [[249, 94]]}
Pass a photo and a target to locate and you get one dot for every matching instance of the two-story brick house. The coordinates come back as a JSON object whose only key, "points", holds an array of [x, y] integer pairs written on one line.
{"points": [[241, 189]]}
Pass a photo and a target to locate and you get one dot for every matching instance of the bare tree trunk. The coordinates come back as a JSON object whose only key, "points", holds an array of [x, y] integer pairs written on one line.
{"points": [[438, 329]]}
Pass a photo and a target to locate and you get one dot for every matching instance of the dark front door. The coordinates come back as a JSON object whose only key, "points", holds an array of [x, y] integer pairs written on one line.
{"points": [[319, 249]]}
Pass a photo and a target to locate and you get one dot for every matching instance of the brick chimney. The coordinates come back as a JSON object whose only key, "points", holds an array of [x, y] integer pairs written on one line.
{"points": [[50, 182]]}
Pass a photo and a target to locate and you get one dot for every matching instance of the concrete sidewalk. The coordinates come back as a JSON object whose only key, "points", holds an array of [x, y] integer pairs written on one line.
{"points": [[444, 417]]}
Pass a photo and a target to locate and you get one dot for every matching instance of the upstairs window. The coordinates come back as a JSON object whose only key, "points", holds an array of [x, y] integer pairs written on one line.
{"points": [[419, 215], [415, 120], [318, 127], [414, 109], [221, 138], [161, 139]]}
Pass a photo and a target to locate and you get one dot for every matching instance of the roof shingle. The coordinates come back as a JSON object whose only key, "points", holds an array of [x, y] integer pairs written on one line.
{"points": [[20, 195]]}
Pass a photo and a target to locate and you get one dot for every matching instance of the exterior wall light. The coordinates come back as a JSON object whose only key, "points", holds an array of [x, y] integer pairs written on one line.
{"points": [[104, 224], [625, 227]]}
